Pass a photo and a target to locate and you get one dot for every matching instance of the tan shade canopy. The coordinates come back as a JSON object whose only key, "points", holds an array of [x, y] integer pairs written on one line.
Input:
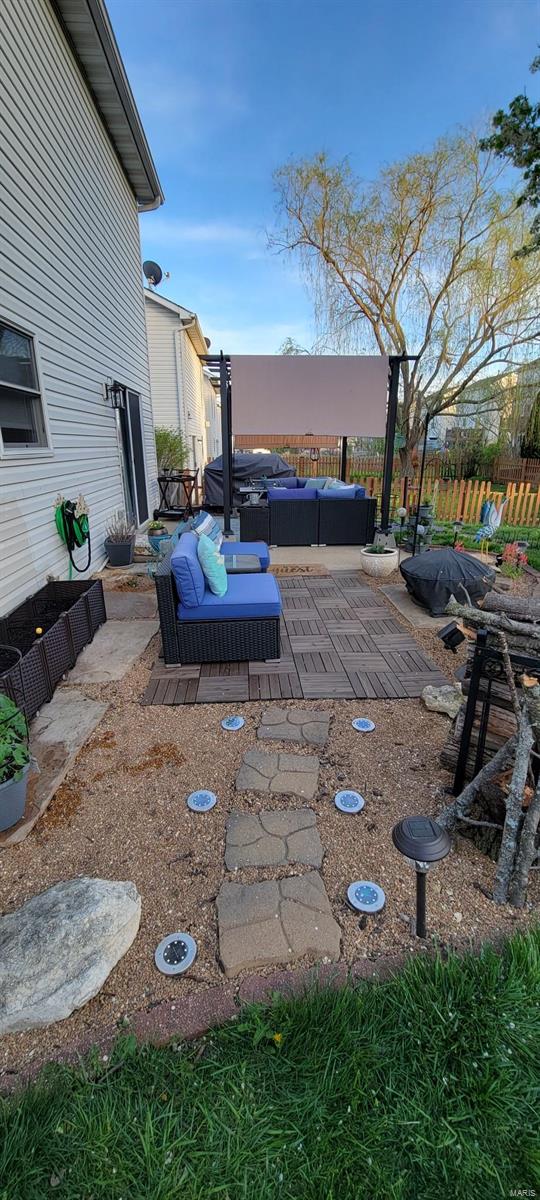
{"points": [[340, 394]]}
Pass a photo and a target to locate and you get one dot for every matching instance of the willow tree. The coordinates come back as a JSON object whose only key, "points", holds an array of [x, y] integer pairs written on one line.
{"points": [[420, 262]]}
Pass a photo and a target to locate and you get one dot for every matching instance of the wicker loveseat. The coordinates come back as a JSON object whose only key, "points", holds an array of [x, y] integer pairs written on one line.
{"points": [[298, 514], [199, 627]]}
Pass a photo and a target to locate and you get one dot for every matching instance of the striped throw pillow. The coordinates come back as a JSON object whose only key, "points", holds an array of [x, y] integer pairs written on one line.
{"points": [[208, 525]]}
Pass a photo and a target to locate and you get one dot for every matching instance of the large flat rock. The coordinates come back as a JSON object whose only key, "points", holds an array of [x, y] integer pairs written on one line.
{"points": [[114, 650], [58, 949], [277, 921], [295, 725], [273, 839], [284, 774], [56, 736]]}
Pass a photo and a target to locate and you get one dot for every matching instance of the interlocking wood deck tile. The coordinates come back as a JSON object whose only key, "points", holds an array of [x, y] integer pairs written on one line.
{"points": [[338, 640], [332, 684], [215, 688]]}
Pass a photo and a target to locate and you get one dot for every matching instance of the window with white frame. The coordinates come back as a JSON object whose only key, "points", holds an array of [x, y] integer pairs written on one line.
{"points": [[22, 422]]}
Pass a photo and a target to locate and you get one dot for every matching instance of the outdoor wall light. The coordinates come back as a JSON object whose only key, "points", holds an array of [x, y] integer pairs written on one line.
{"points": [[422, 842], [115, 393], [451, 636]]}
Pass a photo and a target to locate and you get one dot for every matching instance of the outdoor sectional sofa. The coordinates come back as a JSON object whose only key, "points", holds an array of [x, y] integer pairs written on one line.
{"points": [[302, 515], [199, 627]]}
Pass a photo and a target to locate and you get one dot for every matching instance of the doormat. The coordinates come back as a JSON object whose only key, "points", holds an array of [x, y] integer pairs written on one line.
{"points": [[299, 569]]}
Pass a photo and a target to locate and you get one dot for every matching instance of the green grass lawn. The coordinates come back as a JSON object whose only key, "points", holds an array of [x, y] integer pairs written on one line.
{"points": [[426, 1086]]}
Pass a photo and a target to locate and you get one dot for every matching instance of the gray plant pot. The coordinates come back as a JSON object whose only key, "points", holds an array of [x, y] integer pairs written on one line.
{"points": [[13, 799], [120, 554]]}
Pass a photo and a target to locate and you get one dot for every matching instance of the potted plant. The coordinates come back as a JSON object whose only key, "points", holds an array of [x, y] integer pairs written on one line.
{"points": [[14, 763], [120, 540], [156, 533], [378, 561]]}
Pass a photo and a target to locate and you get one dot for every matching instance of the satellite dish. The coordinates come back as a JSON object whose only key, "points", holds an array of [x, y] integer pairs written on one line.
{"points": [[208, 343], [152, 272]]}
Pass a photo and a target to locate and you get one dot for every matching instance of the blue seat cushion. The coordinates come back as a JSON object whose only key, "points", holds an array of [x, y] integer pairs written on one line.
{"points": [[247, 596], [304, 493], [259, 549], [187, 571], [360, 492]]}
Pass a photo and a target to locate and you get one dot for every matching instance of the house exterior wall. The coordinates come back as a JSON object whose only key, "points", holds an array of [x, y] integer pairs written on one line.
{"points": [[213, 420], [71, 277], [177, 378]]}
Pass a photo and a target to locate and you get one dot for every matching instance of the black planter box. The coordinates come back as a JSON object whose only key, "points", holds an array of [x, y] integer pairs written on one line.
{"points": [[68, 613]]}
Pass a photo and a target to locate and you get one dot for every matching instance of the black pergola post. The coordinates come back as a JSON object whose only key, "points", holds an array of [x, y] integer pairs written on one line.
{"points": [[226, 442], [395, 362], [343, 462], [391, 418]]}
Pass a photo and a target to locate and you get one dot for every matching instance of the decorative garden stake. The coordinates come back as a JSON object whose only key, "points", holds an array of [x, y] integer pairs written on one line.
{"points": [[363, 725], [201, 801], [349, 802], [232, 723], [422, 841], [175, 953]]}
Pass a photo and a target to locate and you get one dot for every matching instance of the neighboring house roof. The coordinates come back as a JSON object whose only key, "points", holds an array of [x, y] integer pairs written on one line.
{"points": [[89, 30], [187, 319]]}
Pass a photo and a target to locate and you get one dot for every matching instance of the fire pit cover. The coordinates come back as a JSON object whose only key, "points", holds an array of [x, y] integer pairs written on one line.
{"points": [[435, 575]]}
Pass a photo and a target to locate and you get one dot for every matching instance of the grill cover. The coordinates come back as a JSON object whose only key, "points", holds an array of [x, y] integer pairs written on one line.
{"points": [[245, 467], [434, 576]]}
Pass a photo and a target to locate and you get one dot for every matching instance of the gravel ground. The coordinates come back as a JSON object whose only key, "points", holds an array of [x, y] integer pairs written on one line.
{"points": [[121, 814]]}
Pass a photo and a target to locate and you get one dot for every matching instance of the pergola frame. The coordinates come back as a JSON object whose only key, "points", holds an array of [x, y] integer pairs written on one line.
{"points": [[220, 364]]}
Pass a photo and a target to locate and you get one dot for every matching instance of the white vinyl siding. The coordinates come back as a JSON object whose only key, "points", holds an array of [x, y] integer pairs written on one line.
{"points": [[177, 379], [71, 278]]}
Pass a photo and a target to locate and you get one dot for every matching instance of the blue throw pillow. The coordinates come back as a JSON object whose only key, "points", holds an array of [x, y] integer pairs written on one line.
{"points": [[341, 493], [213, 565], [208, 525]]}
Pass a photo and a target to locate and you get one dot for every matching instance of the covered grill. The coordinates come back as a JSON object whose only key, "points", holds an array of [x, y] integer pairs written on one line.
{"points": [[433, 577]]}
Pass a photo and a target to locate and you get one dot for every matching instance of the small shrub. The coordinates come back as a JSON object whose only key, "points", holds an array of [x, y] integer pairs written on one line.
{"points": [[171, 449]]}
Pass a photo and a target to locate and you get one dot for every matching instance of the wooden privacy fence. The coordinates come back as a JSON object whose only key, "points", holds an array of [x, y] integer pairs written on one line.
{"points": [[438, 466], [462, 500], [457, 499]]}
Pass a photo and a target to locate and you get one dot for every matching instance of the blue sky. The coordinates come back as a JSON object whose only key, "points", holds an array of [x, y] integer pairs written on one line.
{"points": [[229, 89]]}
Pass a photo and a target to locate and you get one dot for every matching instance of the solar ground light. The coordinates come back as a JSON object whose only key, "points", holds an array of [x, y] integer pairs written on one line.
{"points": [[423, 842]]}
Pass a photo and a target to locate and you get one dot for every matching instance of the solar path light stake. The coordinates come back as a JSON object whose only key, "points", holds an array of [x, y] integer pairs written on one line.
{"points": [[422, 841]]}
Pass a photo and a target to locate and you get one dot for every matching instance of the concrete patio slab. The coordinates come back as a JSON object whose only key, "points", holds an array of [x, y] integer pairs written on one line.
{"points": [[277, 921], [299, 725], [56, 736], [130, 606], [418, 617], [272, 839], [114, 650]]}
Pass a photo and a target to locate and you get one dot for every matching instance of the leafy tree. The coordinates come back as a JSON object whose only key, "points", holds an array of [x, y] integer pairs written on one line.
{"points": [[171, 449], [530, 446], [422, 261], [516, 137]]}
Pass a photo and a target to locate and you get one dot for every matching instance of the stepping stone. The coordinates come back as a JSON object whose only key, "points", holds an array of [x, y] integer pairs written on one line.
{"points": [[273, 839], [286, 774], [275, 922], [295, 725]]}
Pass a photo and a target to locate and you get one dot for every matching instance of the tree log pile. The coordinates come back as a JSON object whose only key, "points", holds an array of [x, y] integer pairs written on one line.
{"points": [[501, 803]]}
